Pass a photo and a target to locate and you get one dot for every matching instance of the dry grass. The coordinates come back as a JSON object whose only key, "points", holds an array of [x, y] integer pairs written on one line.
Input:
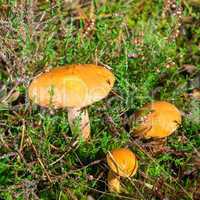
{"points": [[138, 40]]}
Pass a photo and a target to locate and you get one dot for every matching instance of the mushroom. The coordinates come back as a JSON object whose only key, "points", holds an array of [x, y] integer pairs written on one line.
{"points": [[122, 162], [158, 119], [72, 87]]}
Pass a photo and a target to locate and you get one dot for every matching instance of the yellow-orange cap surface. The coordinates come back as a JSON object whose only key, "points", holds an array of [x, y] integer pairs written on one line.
{"points": [[73, 86], [158, 119], [123, 162]]}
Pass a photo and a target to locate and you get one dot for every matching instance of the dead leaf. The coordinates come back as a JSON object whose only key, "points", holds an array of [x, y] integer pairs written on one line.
{"points": [[195, 93], [189, 68]]}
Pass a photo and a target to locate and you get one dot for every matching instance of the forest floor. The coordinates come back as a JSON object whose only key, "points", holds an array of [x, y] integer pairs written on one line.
{"points": [[152, 48]]}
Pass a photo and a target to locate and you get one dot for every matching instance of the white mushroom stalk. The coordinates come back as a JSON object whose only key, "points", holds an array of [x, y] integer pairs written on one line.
{"points": [[114, 182], [79, 119]]}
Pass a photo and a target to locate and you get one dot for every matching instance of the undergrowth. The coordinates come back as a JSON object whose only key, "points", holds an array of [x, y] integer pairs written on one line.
{"points": [[153, 50]]}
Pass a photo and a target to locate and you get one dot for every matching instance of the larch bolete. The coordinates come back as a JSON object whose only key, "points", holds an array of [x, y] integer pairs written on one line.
{"points": [[122, 163], [158, 119], [73, 87]]}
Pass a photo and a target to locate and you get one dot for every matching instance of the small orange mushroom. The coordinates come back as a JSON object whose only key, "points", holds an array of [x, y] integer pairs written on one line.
{"points": [[72, 87], [158, 119], [122, 162]]}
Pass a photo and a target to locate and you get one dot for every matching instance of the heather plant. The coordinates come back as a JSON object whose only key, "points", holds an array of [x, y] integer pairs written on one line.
{"points": [[152, 47]]}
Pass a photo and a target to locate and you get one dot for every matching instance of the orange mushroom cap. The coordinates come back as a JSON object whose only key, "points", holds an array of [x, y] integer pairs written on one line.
{"points": [[158, 119], [123, 162], [73, 86]]}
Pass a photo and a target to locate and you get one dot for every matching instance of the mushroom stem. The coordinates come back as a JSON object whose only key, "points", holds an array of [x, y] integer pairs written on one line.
{"points": [[79, 120], [113, 182]]}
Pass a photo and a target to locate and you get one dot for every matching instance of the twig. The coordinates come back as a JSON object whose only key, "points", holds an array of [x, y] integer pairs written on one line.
{"points": [[22, 136], [8, 155], [39, 160], [10, 93], [76, 170], [61, 157]]}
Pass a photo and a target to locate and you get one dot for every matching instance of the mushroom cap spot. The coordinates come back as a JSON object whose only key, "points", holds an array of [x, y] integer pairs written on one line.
{"points": [[123, 162], [160, 119], [74, 86]]}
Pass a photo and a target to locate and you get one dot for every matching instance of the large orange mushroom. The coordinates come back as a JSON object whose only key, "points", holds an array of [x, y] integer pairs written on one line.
{"points": [[73, 87], [158, 119], [122, 162]]}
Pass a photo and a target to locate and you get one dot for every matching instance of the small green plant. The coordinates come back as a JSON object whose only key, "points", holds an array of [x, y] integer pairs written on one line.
{"points": [[149, 46]]}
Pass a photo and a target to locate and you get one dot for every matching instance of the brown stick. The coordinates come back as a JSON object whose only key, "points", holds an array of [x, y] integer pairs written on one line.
{"points": [[39, 159]]}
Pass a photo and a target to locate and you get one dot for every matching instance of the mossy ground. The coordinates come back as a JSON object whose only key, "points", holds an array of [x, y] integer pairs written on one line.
{"points": [[39, 157]]}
